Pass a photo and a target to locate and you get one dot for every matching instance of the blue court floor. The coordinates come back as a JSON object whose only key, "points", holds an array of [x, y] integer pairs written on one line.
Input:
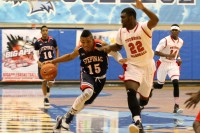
{"points": [[22, 111]]}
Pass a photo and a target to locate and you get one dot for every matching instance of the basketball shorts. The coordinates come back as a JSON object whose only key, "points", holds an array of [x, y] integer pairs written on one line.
{"points": [[167, 68], [95, 83], [143, 75]]}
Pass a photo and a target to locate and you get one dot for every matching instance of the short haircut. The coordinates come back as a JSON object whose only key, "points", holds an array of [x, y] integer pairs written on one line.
{"points": [[44, 26], [86, 33], [174, 25], [129, 11]]}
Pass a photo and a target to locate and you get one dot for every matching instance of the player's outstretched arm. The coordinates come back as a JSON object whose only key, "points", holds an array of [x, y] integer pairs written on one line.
{"points": [[66, 57], [115, 54], [153, 18], [193, 100], [109, 48]]}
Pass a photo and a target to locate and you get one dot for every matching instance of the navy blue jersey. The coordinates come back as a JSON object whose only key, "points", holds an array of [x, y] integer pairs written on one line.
{"points": [[46, 48], [95, 62]]}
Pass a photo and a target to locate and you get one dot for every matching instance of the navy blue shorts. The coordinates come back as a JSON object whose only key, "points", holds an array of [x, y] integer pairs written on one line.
{"points": [[96, 84]]}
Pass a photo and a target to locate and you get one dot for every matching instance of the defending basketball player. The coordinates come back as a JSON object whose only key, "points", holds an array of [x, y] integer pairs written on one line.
{"points": [[47, 49], [94, 65], [169, 63], [139, 68]]}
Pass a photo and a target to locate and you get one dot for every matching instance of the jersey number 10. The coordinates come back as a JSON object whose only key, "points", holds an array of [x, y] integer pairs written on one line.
{"points": [[48, 55]]}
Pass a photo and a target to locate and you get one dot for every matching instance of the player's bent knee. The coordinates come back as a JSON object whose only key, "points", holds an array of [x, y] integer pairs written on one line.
{"points": [[87, 94], [158, 86]]}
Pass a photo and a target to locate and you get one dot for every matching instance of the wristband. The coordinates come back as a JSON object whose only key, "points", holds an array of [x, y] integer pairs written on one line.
{"points": [[179, 58]]}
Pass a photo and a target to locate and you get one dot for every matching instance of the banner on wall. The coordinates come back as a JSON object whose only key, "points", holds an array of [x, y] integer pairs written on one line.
{"points": [[95, 11], [19, 61]]}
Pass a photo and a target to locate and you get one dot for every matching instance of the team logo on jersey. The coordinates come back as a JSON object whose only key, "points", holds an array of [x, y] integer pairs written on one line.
{"points": [[35, 6]]}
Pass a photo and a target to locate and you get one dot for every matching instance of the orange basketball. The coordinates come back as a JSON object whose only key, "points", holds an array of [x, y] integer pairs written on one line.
{"points": [[48, 71]]}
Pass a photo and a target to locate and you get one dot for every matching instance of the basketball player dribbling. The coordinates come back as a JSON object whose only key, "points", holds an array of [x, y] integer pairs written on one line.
{"points": [[94, 65]]}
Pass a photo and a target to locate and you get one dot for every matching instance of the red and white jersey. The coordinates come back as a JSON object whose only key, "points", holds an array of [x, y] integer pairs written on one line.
{"points": [[137, 43], [168, 45]]}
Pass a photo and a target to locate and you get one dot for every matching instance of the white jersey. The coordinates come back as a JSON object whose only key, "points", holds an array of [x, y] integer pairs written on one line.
{"points": [[168, 45], [137, 43]]}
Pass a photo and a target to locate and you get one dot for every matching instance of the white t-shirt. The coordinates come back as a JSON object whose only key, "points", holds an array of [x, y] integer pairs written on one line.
{"points": [[137, 43], [168, 45]]}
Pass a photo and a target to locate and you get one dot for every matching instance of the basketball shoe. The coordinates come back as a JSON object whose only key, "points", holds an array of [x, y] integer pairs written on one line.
{"points": [[46, 102], [57, 127], [136, 128], [60, 124], [177, 109]]}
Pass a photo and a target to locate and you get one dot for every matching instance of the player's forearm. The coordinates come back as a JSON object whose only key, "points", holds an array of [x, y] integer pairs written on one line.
{"points": [[115, 47], [161, 54], [116, 55], [152, 16], [64, 58]]}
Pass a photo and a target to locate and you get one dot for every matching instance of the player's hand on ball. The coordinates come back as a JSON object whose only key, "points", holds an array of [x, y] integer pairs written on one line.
{"points": [[46, 62]]}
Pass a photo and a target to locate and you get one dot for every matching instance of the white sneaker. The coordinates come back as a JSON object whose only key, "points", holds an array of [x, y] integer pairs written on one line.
{"points": [[177, 110]]}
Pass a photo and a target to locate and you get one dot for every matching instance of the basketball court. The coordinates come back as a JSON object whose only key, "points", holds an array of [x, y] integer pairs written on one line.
{"points": [[22, 110]]}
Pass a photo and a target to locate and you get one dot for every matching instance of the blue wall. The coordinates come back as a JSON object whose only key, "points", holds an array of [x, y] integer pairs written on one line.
{"points": [[66, 39]]}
